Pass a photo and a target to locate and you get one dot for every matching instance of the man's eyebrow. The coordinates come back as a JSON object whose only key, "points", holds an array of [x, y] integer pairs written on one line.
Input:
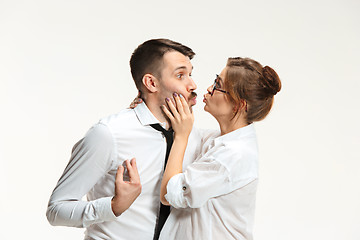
{"points": [[183, 67]]}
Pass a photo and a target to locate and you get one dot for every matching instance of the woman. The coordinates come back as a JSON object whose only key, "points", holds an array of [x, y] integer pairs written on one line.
{"points": [[214, 197]]}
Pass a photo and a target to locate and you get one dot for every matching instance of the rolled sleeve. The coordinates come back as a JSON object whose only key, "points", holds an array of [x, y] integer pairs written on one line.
{"points": [[175, 191], [197, 184]]}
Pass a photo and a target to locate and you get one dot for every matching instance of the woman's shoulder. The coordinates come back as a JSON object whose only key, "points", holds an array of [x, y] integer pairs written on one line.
{"points": [[205, 135]]}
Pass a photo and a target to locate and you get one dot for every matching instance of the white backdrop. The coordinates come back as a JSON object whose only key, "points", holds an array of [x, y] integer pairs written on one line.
{"points": [[64, 65]]}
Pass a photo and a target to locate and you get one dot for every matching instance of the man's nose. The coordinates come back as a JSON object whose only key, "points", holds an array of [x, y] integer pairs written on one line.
{"points": [[192, 86]]}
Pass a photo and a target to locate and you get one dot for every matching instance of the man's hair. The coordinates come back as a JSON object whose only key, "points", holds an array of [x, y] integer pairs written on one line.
{"points": [[148, 58]]}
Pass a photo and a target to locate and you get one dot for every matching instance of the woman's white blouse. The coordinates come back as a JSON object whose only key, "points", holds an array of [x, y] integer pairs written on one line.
{"points": [[214, 198]]}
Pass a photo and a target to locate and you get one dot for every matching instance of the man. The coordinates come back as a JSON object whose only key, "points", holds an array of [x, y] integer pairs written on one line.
{"points": [[115, 208]]}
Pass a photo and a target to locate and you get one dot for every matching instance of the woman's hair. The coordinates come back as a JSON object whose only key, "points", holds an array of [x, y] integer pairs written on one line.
{"points": [[248, 80]]}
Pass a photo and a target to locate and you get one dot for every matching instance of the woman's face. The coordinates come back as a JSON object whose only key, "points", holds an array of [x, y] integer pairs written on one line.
{"points": [[216, 101]]}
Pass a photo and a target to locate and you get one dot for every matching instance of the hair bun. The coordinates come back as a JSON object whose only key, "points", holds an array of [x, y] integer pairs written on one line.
{"points": [[271, 80]]}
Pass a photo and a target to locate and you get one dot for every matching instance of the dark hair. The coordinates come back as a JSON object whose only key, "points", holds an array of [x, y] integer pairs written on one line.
{"points": [[148, 58], [248, 80]]}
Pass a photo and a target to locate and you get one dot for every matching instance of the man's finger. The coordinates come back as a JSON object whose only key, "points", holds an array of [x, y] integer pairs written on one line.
{"points": [[133, 164], [128, 165], [119, 174], [133, 173]]}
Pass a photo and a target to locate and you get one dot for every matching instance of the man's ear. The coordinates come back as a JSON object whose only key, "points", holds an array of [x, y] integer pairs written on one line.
{"points": [[150, 82]]}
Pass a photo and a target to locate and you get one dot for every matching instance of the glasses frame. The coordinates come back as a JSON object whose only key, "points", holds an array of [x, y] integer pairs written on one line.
{"points": [[215, 88]]}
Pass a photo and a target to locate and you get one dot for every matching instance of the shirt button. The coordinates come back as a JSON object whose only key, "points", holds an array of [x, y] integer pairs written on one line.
{"points": [[184, 188]]}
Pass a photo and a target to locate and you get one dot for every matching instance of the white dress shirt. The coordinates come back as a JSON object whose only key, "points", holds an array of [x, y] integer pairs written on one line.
{"points": [[214, 198], [92, 169]]}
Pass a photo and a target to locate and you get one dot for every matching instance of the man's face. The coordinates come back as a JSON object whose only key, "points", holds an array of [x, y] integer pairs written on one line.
{"points": [[176, 77]]}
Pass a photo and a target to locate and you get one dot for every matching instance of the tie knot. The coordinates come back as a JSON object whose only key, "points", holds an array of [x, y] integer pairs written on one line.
{"points": [[167, 133]]}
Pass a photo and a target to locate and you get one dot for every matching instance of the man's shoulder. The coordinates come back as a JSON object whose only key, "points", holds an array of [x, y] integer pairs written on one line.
{"points": [[125, 116], [119, 122]]}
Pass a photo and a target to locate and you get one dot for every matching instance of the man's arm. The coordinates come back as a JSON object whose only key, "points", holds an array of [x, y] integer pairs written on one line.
{"points": [[92, 157]]}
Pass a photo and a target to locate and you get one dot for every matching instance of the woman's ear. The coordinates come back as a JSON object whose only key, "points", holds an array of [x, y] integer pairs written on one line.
{"points": [[244, 105], [150, 83], [241, 106], [236, 108]]}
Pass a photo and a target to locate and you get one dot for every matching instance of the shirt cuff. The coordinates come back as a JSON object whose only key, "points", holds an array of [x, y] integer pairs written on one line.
{"points": [[176, 188], [105, 210]]}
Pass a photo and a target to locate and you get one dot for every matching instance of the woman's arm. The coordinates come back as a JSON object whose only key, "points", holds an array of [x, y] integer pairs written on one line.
{"points": [[182, 120]]}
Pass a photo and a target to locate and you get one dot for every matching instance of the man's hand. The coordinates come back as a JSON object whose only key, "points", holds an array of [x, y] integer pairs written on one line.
{"points": [[126, 191]]}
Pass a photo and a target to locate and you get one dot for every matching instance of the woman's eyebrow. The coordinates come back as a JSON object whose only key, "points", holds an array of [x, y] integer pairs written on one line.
{"points": [[220, 79]]}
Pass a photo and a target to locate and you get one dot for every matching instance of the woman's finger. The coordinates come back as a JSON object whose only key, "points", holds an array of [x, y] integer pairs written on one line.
{"points": [[179, 104], [185, 105], [172, 108], [168, 113]]}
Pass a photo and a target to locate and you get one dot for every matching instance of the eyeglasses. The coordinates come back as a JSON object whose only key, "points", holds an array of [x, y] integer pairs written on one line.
{"points": [[216, 86]]}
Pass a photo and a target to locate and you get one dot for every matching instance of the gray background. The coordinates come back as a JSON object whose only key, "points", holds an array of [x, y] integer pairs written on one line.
{"points": [[64, 65]]}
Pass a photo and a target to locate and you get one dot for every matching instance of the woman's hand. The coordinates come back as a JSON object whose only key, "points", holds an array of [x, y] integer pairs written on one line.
{"points": [[137, 100], [182, 119]]}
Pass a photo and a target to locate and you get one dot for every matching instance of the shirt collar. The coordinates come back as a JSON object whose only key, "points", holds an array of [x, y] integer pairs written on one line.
{"points": [[238, 133], [145, 116]]}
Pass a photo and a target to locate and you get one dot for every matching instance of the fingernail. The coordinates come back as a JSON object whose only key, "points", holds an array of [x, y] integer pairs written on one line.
{"points": [[180, 95], [175, 94], [168, 99]]}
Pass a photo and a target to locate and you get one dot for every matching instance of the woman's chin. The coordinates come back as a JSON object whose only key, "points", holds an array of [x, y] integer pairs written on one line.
{"points": [[205, 108]]}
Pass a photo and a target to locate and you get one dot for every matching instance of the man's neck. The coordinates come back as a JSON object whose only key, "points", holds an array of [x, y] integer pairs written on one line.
{"points": [[155, 109]]}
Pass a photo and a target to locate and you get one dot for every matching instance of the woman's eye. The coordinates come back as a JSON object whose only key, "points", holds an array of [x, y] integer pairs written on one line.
{"points": [[179, 75]]}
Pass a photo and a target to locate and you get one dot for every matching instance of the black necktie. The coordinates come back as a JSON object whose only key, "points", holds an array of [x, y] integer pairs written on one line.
{"points": [[164, 210]]}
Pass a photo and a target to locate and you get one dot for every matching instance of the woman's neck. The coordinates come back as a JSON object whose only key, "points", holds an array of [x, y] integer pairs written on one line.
{"points": [[228, 125]]}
